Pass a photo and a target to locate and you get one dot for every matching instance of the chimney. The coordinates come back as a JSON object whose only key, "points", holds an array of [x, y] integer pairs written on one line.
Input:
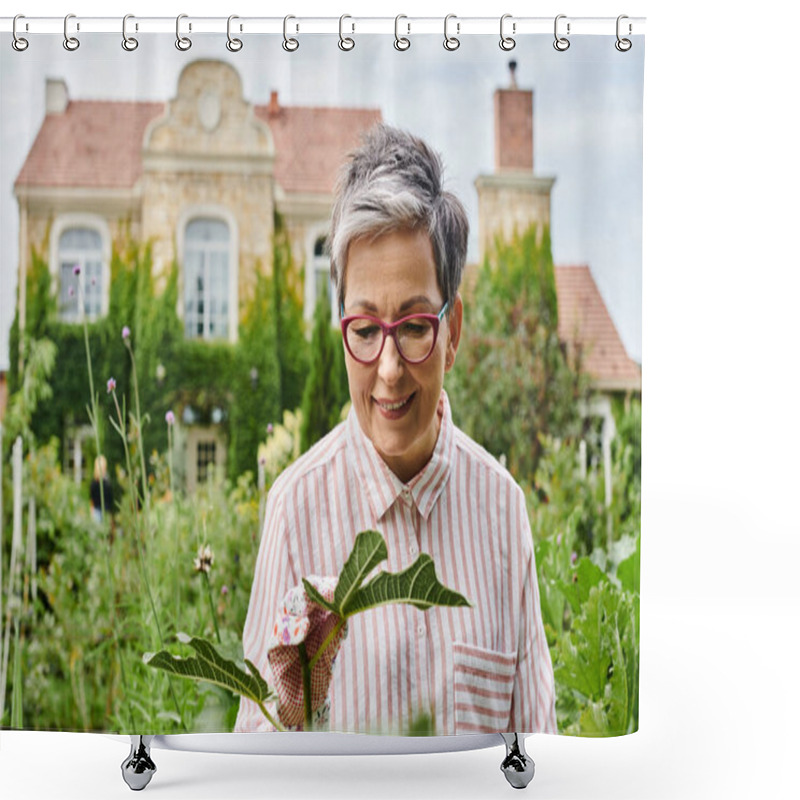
{"points": [[56, 97], [273, 109], [513, 127]]}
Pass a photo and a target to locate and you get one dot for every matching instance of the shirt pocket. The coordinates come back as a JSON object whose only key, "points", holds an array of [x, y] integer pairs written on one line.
{"points": [[484, 686]]}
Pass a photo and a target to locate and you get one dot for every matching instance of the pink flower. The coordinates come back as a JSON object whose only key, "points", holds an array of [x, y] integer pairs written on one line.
{"points": [[126, 333], [573, 557], [224, 590], [76, 270], [111, 384], [71, 291], [170, 418], [269, 429]]}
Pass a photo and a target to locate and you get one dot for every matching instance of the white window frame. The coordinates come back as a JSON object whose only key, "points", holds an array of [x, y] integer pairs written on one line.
{"points": [[316, 264], [94, 222], [222, 214]]}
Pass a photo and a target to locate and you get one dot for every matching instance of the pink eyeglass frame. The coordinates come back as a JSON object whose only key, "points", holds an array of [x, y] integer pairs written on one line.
{"points": [[389, 329]]}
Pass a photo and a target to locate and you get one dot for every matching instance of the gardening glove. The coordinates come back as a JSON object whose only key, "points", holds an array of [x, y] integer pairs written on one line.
{"points": [[301, 620]]}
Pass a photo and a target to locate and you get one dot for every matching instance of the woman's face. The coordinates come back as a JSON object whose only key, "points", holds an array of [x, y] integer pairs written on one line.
{"points": [[391, 277]]}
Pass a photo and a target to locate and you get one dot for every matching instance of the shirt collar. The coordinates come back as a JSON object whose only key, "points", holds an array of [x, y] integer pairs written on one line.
{"points": [[383, 487]]}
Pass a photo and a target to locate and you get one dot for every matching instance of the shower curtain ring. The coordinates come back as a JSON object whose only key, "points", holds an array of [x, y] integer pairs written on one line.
{"points": [[70, 42], [233, 44], [129, 43], [507, 42], [451, 42], [623, 45], [19, 43], [183, 43], [289, 44], [346, 42], [401, 42], [561, 43]]}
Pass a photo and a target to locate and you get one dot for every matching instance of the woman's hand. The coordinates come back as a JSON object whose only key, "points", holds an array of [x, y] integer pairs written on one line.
{"points": [[301, 628]]}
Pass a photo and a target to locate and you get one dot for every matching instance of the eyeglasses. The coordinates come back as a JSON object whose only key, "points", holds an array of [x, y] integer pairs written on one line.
{"points": [[414, 336]]}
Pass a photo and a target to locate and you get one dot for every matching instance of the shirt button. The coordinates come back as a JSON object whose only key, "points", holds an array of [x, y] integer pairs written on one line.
{"points": [[413, 549], [420, 630]]}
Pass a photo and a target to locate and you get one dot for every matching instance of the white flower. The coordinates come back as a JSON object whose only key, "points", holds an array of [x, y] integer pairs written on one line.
{"points": [[204, 560]]}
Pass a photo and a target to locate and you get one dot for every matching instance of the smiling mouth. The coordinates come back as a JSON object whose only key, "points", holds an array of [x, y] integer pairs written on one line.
{"points": [[395, 406]]}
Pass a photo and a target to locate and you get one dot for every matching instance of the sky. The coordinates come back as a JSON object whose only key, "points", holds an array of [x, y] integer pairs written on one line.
{"points": [[587, 125]]}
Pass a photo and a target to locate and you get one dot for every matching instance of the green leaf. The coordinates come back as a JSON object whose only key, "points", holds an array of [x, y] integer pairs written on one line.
{"points": [[316, 597], [369, 549], [586, 576], [212, 667], [628, 570], [594, 720], [584, 655], [417, 585]]}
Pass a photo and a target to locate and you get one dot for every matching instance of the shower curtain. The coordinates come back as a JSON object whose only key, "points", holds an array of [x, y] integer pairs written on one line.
{"points": [[172, 358]]}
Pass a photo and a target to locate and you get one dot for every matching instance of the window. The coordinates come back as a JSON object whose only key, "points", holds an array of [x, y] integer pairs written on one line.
{"points": [[80, 271], [206, 268], [323, 285], [206, 458]]}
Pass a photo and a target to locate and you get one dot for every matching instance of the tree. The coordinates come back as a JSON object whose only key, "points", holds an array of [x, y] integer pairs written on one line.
{"points": [[289, 324], [513, 378], [326, 388]]}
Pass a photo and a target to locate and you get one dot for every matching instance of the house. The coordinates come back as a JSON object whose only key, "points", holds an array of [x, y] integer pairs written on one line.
{"points": [[202, 176], [513, 197]]}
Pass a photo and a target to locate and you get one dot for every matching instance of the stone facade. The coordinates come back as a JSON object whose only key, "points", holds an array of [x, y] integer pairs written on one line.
{"points": [[209, 156], [509, 203]]}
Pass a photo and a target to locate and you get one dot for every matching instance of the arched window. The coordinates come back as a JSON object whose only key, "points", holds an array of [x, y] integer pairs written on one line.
{"points": [[80, 271], [206, 265]]}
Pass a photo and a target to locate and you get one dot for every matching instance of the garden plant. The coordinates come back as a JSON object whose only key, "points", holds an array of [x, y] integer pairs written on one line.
{"points": [[83, 600]]}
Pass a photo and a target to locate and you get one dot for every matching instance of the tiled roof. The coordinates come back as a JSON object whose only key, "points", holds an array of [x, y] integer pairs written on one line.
{"points": [[98, 145], [93, 144], [584, 319], [311, 143]]}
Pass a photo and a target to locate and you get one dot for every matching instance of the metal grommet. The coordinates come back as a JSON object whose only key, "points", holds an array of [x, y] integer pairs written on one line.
{"points": [[345, 42], [451, 42], [561, 43], [70, 42], [623, 45], [129, 43], [19, 43], [233, 44], [507, 42], [290, 45], [183, 43], [400, 42]]}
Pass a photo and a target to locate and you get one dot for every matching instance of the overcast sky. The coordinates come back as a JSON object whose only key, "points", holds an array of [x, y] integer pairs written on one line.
{"points": [[587, 125]]}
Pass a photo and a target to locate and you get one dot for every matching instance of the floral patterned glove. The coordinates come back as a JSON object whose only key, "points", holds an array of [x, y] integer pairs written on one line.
{"points": [[301, 620]]}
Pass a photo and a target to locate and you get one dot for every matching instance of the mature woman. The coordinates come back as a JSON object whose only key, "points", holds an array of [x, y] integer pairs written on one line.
{"points": [[398, 465]]}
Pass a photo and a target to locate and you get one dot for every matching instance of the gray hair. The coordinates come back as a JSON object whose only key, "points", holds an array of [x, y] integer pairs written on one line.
{"points": [[394, 181]]}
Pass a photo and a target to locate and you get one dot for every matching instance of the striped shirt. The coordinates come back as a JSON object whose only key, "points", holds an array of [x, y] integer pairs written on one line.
{"points": [[481, 669]]}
